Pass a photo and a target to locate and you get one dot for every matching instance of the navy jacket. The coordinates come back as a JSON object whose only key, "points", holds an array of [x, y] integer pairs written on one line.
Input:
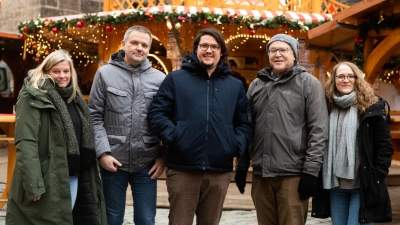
{"points": [[202, 120]]}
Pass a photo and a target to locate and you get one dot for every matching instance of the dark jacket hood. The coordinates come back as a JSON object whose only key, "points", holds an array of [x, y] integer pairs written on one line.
{"points": [[192, 64]]}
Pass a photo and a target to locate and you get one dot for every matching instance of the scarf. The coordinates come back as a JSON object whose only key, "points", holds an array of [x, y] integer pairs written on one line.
{"points": [[339, 160], [79, 157]]}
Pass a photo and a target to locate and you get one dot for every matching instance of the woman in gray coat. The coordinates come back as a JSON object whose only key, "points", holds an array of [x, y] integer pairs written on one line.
{"points": [[56, 178]]}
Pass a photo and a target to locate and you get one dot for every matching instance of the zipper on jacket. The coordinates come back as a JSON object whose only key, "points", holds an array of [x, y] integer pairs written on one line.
{"points": [[208, 118]]}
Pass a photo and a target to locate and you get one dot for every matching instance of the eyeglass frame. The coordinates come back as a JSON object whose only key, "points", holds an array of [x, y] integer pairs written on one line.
{"points": [[348, 77], [279, 50], [209, 46]]}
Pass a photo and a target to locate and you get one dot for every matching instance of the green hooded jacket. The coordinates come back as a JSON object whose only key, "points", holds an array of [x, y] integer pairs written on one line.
{"points": [[42, 169]]}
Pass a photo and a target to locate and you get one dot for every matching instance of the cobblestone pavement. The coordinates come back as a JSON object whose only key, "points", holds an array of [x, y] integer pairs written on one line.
{"points": [[231, 217], [237, 217]]}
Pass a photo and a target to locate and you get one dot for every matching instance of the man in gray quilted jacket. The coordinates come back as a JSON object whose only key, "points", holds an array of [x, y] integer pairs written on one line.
{"points": [[127, 150]]}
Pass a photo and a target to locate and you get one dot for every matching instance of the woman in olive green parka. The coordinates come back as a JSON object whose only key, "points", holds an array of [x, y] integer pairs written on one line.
{"points": [[56, 177]]}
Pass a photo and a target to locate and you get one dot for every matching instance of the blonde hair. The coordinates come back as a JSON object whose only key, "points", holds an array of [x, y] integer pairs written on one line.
{"points": [[364, 91], [40, 73]]}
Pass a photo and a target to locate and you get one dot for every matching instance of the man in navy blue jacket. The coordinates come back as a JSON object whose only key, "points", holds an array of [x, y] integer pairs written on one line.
{"points": [[200, 114]]}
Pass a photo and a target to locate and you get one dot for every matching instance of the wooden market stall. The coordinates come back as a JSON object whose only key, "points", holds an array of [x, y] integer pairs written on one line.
{"points": [[247, 26], [367, 33]]}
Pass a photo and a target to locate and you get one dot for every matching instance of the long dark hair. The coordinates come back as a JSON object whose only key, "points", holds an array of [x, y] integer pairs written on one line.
{"points": [[218, 37]]}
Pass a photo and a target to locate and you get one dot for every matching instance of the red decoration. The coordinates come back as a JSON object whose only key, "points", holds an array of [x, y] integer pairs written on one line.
{"points": [[109, 28], [22, 36], [79, 25], [147, 13], [233, 17], [25, 28], [358, 40], [204, 22], [182, 19], [252, 32], [54, 30]]}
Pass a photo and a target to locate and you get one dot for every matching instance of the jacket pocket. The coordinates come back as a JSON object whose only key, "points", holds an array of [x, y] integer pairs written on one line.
{"points": [[113, 139], [150, 142], [116, 100], [375, 194], [234, 149]]}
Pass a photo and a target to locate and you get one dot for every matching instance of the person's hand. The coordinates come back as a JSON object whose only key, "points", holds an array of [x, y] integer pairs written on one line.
{"points": [[307, 186], [37, 198], [109, 163], [240, 179], [158, 168]]}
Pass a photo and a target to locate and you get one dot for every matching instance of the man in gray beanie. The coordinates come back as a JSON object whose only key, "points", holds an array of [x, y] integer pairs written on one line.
{"points": [[290, 118]]}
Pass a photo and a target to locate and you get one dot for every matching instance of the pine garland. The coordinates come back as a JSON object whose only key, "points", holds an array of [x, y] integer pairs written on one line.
{"points": [[35, 25], [375, 23]]}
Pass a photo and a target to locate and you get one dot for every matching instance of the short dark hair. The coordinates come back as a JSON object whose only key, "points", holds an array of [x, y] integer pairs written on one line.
{"points": [[232, 63], [218, 37]]}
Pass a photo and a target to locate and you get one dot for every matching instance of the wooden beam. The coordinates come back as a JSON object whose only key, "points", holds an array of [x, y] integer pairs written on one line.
{"points": [[357, 8], [379, 56], [384, 33], [10, 35], [368, 47]]}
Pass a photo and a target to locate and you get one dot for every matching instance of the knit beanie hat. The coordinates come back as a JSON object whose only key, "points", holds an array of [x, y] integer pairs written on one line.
{"points": [[292, 42]]}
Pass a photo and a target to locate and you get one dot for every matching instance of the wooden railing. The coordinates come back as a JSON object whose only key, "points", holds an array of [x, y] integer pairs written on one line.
{"points": [[307, 6], [332, 6]]}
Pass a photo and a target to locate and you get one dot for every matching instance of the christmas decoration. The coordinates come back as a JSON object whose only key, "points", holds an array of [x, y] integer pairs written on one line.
{"points": [[144, 15], [375, 23], [79, 25], [252, 32], [109, 28], [54, 30], [178, 26], [22, 36]]}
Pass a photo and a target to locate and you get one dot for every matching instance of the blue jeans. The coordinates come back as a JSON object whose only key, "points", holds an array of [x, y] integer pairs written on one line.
{"points": [[144, 194], [345, 204]]}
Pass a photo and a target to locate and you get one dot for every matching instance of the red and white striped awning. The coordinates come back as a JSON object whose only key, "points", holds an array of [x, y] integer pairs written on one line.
{"points": [[255, 14]]}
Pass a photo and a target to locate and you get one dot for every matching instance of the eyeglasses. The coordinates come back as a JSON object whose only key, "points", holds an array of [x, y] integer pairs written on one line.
{"points": [[280, 50], [204, 47], [349, 77]]}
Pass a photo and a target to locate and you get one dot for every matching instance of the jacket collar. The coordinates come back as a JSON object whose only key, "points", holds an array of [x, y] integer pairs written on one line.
{"points": [[267, 73], [193, 65], [117, 59]]}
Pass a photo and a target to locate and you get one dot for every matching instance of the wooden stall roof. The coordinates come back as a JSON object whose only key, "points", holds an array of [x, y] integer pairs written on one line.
{"points": [[339, 33], [8, 34]]}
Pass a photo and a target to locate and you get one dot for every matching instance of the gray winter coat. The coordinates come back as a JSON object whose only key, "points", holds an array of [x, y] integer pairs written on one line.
{"points": [[291, 124], [119, 100]]}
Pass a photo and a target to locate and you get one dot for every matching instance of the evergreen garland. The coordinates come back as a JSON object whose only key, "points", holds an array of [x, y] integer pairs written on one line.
{"points": [[377, 24], [33, 26]]}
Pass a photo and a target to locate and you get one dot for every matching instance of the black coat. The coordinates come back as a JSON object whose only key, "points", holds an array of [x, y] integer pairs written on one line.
{"points": [[375, 146]]}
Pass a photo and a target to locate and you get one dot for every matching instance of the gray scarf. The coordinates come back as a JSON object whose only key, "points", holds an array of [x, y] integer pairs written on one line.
{"points": [[339, 160], [79, 157]]}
